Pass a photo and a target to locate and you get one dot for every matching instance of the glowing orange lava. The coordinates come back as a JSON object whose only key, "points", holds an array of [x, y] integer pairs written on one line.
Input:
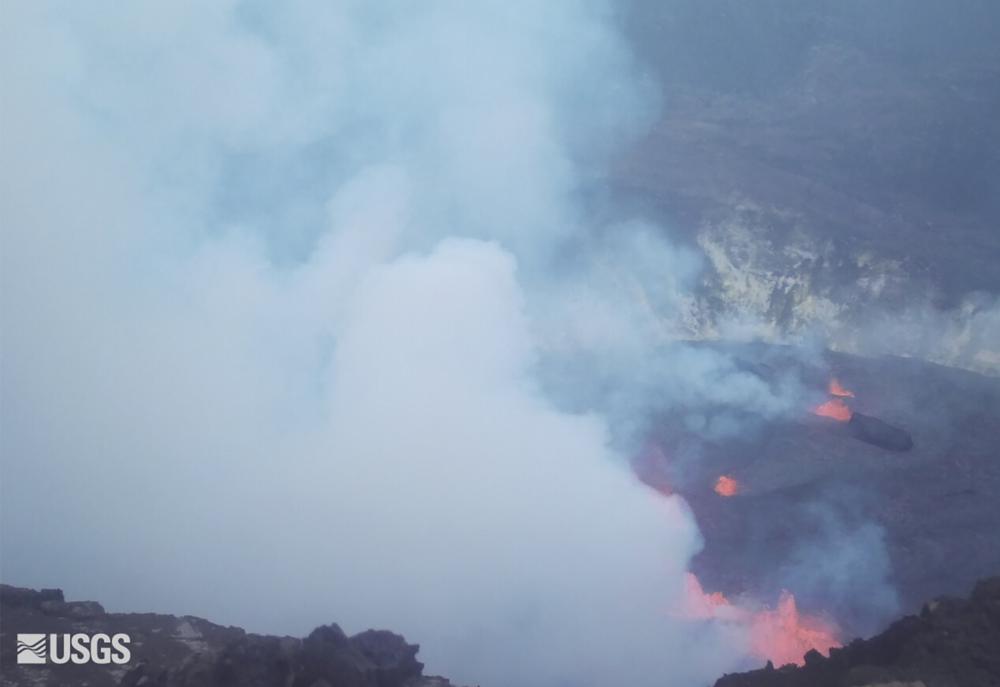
{"points": [[836, 389], [784, 635], [726, 486], [781, 635], [835, 409]]}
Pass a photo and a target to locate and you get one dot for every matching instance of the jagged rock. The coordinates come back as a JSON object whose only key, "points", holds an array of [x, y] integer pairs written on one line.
{"points": [[395, 660], [252, 660], [19, 597], [81, 610], [878, 433], [168, 651], [812, 657], [328, 654]]}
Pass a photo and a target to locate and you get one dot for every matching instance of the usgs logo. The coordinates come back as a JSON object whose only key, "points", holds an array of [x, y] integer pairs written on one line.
{"points": [[76, 648]]}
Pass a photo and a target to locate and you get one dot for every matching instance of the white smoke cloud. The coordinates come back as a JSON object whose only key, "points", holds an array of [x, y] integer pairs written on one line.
{"points": [[277, 283], [844, 565]]}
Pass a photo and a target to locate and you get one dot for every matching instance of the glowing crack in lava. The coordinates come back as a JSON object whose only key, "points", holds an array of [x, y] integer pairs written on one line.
{"points": [[835, 409], [726, 486], [836, 389], [781, 635]]}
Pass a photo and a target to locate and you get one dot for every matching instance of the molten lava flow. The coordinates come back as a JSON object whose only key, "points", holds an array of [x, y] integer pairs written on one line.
{"points": [[784, 635], [835, 409], [781, 635], [836, 389], [726, 486]]}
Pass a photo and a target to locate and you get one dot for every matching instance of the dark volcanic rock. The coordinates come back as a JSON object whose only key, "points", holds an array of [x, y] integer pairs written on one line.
{"points": [[16, 597], [827, 516], [328, 654], [170, 651], [952, 643], [873, 431], [394, 659]]}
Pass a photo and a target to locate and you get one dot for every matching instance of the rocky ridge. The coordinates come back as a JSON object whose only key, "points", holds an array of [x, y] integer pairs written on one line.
{"points": [[169, 651]]}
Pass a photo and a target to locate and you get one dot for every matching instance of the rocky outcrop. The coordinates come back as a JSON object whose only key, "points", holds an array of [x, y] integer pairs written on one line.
{"points": [[951, 643], [840, 188], [878, 433], [169, 651]]}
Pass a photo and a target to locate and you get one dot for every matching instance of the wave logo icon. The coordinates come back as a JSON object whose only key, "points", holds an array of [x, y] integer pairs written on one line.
{"points": [[31, 648]]}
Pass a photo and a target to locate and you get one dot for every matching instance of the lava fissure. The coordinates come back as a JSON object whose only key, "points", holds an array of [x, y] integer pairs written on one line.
{"points": [[782, 634]]}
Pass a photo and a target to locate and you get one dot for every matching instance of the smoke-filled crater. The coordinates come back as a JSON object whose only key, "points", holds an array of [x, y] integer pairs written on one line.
{"points": [[581, 343]]}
